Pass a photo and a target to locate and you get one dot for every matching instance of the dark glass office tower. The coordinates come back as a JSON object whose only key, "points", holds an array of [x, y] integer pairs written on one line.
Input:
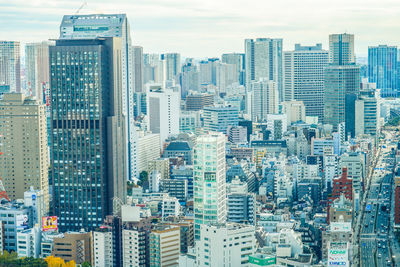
{"points": [[340, 81], [88, 134]]}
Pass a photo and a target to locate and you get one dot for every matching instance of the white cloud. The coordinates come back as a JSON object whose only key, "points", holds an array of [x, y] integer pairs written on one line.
{"points": [[203, 28]]}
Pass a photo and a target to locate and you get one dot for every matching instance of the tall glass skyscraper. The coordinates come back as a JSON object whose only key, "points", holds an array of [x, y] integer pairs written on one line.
{"points": [[382, 69], [341, 49], [88, 130], [341, 88], [263, 59], [110, 25]]}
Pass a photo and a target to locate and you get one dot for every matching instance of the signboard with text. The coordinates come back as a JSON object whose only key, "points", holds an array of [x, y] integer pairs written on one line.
{"points": [[49, 223]]}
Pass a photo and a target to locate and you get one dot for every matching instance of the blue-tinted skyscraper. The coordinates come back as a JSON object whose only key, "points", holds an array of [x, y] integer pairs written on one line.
{"points": [[88, 131], [341, 88], [382, 69]]}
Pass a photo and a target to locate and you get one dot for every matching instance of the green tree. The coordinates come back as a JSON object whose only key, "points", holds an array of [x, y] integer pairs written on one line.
{"points": [[11, 259], [143, 180]]}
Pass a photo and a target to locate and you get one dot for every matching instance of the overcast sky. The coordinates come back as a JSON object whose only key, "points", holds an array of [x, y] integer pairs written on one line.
{"points": [[208, 28]]}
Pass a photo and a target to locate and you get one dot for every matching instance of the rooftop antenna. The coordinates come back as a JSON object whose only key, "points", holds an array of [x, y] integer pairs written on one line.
{"points": [[79, 9]]}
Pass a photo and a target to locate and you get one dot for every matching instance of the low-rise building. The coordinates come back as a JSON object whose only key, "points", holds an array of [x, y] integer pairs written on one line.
{"points": [[74, 246], [29, 243], [15, 217]]}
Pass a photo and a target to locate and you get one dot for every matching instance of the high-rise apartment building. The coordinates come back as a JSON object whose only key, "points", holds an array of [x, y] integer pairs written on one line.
{"points": [[383, 69], [225, 76], [37, 69], [304, 77], [153, 68], [209, 180], [163, 109], [265, 99], [24, 159], [165, 244], [172, 65], [147, 148], [263, 59], [342, 85], [236, 59], [110, 25], [189, 78], [10, 65], [341, 49], [138, 69], [88, 130], [208, 71]]}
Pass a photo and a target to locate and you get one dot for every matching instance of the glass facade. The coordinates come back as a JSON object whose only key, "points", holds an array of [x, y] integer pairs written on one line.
{"points": [[209, 181], [339, 82], [382, 69], [81, 102]]}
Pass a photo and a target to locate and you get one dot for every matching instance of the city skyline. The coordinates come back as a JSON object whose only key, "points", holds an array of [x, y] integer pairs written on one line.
{"points": [[172, 22]]}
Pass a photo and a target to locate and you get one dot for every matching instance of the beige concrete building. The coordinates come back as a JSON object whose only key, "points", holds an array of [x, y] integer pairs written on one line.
{"points": [[294, 110], [164, 246], [160, 165], [73, 246], [23, 135]]}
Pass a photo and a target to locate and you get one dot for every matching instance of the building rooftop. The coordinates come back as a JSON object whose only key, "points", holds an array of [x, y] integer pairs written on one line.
{"points": [[178, 146]]}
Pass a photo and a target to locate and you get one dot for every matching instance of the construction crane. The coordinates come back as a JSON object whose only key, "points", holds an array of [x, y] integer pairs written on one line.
{"points": [[79, 9]]}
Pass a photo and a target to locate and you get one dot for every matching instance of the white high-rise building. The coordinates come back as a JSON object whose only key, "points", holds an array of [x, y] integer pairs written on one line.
{"points": [[264, 99], [236, 59], [163, 109], [153, 69], [225, 245], [131, 245], [110, 25], [10, 65], [263, 59], [147, 148], [209, 180], [138, 65], [225, 76], [37, 69], [172, 65], [103, 248], [304, 77]]}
